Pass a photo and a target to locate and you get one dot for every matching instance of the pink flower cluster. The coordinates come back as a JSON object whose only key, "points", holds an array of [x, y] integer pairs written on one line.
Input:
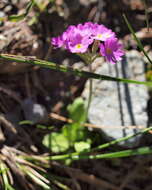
{"points": [[78, 39]]}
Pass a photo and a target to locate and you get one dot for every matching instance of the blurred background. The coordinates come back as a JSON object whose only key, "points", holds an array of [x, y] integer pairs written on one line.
{"points": [[28, 94]]}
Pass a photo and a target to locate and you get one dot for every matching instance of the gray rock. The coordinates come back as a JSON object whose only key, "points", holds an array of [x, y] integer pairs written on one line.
{"points": [[118, 104], [34, 112]]}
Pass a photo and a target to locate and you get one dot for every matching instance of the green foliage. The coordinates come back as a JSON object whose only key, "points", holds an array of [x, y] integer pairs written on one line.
{"points": [[57, 142], [86, 154], [82, 146], [71, 136], [77, 111]]}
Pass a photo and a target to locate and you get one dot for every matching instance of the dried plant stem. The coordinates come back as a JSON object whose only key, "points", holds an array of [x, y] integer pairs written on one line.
{"points": [[64, 119]]}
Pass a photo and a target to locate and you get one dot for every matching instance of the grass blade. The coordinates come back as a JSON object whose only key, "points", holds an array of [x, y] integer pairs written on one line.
{"points": [[118, 154], [83, 154], [62, 68], [121, 139], [136, 39]]}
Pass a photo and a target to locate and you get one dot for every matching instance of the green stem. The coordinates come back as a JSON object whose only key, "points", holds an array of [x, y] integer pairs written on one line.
{"points": [[90, 91], [119, 154], [120, 139], [84, 155], [103, 146], [62, 68]]}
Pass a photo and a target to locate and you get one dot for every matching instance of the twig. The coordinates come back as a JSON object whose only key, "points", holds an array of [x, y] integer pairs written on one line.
{"points": [[64, 119]]}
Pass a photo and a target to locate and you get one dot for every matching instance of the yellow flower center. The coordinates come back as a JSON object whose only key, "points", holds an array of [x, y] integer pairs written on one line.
{"points": [[99, 36], [78, 46], [108, 51]]}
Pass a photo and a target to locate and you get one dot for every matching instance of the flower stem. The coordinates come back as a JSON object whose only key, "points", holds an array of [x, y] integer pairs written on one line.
{"points": [[90, 91]]}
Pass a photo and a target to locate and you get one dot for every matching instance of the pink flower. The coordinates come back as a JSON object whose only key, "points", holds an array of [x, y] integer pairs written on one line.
{"points": [[112, 50], [76, 38], [87, 28], [78, 44], [79, 38], [102, 33], [57, 41]]}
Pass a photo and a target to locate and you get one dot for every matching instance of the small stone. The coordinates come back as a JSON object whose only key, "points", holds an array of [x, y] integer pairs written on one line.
{"points": [[118, 104], [34, 112]]}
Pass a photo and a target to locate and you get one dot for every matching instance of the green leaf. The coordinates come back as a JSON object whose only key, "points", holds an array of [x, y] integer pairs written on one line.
{"points": [[77, 110], [81, 146], [74, 132], [68, 161], [56, 142]]}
